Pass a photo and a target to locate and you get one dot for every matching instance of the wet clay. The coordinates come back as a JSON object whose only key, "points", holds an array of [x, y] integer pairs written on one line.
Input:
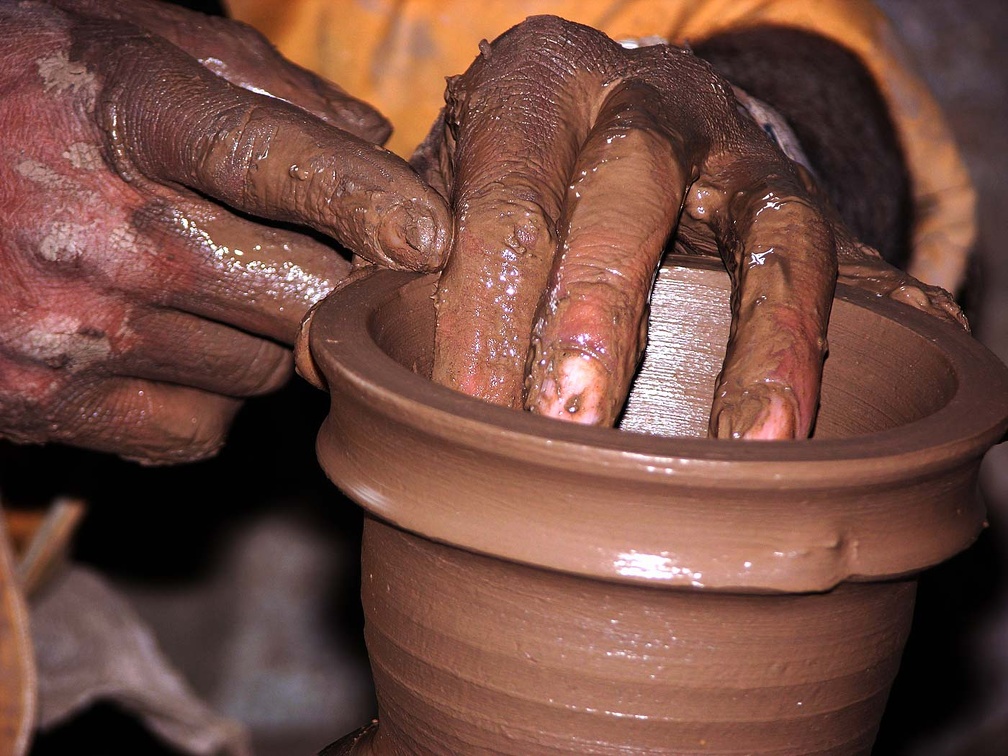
{"points": [[534, 586], [523, 661], [917, 402], [570, 161]]}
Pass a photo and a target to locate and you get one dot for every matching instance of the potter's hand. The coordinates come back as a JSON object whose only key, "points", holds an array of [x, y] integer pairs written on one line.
{"points": [[136, 307], [569, 161]]}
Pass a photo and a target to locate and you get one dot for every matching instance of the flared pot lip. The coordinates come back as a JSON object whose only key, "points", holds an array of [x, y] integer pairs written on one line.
{"points": [[795, 473], [975, 418]]}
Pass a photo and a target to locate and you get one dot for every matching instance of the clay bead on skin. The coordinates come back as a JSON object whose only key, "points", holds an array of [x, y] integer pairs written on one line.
{"points": [[569, 160]]}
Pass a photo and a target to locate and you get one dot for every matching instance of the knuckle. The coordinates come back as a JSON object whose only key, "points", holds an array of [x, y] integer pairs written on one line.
{"points": [[246, 138], [267, 370], [523, 225], [533, 31], [31, 412], [547, 43], [59, 342], [61, 245], [531, 229]]}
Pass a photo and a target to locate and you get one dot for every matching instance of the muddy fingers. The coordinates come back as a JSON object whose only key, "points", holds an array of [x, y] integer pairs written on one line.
{"points": [[260, 155], [518, 121], [621, 205], [781, 254], [556, 124]]}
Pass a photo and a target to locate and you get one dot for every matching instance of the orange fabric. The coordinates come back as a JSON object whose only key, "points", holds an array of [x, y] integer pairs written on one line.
{"points": [[396, 53]]}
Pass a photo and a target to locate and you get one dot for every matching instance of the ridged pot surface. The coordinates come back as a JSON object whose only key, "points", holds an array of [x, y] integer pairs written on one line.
{"points": [[531, 586], [472, 654]]}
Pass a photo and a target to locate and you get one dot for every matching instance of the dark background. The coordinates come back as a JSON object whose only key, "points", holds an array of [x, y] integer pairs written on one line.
{"points": [[247, 565]]}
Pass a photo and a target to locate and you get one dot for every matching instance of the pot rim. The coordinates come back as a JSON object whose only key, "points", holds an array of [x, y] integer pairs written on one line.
{"points": [[963, 422], [974, 418]]}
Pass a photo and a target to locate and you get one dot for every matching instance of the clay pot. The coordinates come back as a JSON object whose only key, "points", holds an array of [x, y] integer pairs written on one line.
{"points": [[531, 586]]}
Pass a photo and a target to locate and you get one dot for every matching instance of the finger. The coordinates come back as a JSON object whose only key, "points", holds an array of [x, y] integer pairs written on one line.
{"points": [[627, 190], [780, 251], [519, 119], [761, 412], [151, 423], [246, 274], [750, 204], [862, 267], [261, 155], [174, 347], [242, 56], [931, 299], [187, 254], [64, 361]]}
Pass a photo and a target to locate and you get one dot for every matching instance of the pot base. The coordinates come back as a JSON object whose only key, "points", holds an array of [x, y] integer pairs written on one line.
{"points": [[523, 660]]}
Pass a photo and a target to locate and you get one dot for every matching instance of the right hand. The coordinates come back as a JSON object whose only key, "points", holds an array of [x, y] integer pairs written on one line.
{"points": [[141, 299], [569, 161]]}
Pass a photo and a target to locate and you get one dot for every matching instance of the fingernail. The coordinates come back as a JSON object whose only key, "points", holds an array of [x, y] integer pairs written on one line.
{"points": [[304, 362], [575, 389], [411, 238], [420, 233]]}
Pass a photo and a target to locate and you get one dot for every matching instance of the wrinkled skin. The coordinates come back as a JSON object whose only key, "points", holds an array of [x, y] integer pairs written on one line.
{"points": [[569, 161], [142, 302], [139, 307]]}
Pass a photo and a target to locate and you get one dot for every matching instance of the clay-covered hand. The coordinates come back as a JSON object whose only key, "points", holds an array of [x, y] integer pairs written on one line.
{"points": [[140, 299], [569, 161]]}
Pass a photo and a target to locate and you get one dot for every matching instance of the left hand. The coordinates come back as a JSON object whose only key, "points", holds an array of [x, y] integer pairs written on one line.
{"points": [[139, 144], [569, 162]]}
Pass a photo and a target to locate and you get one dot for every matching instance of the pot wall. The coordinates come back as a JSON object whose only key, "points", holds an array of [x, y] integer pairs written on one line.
{"points": [[910, 406], [472, 654], [606, 592]]}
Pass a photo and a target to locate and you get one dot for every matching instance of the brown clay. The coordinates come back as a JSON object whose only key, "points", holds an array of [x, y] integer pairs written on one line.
{"points": [[536, 586], [569, 162], [522, 660]]}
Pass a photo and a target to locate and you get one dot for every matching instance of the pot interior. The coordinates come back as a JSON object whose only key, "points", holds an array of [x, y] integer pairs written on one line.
{"points": [[886, 487], [879, 374]]}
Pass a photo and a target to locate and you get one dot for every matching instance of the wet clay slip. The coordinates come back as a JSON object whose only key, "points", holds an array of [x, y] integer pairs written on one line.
{"points": [[533, 586]]}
